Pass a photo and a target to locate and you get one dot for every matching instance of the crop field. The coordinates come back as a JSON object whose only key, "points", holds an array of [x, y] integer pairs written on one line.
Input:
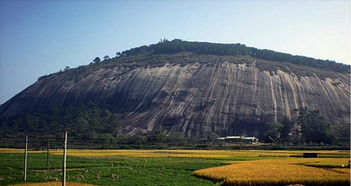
{"points": [[176, 167], [281, 172], [221, 154]]}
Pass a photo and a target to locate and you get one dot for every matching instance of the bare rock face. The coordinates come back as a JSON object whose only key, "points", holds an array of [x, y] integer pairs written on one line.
{"points": [[192, 94]]}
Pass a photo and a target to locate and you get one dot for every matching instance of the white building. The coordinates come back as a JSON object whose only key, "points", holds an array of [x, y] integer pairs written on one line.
{"points": [[239, 139]]}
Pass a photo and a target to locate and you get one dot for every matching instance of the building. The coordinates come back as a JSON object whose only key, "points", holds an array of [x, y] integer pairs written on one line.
{"points": [[239, 139]]}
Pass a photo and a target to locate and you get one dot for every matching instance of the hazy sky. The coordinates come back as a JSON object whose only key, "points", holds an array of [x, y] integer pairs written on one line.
{"points": [[40, 37]]}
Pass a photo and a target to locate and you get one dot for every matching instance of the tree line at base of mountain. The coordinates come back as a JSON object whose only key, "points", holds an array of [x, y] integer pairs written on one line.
{"points": [[89, 125]]}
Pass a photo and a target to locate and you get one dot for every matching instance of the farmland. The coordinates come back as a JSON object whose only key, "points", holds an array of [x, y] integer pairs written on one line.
{"points": [[280, 172], [177, 167]]}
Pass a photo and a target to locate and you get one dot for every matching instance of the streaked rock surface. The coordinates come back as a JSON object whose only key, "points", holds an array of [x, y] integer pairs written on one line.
{"points": [[191, 94]]}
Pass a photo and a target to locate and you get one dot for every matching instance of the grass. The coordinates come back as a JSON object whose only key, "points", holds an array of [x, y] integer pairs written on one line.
{"points": [[53, 183], [151, 167], [106, 170]]}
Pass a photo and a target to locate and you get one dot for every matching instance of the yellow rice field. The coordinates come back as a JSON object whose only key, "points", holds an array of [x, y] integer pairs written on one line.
{"points": [[280, 172], [223, 154]]}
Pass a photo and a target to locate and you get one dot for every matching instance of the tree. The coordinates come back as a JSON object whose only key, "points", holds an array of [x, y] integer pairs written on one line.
{"points": [[97, 60], [118, 54], [157, 137], [67, 68], [106, 57], [212, 137], [137, 140], [163, 40], [313, 127], [342, 133], [273, 131], [286, 130]]}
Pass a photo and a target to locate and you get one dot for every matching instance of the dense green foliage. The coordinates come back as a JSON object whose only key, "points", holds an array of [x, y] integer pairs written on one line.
{"points": [[88, 125], [106, 171], [177, 46], [313, 127], [273, 132], [278, 132], [82, 122]]}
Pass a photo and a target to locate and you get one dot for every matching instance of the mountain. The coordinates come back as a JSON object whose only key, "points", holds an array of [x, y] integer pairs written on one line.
{"points": [[184, 88]]}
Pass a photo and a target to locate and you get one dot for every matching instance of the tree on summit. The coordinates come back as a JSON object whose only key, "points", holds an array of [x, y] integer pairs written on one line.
{"points": [[106, 57], [67, 68], [97, 60]]}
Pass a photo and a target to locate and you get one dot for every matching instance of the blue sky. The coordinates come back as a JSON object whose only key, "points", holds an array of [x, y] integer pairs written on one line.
{"points": [[39, 37]]}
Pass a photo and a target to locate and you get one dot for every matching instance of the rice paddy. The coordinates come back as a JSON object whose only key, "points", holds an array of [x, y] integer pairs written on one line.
{"points": [[280, 172], [221, 154], [178, 167]]}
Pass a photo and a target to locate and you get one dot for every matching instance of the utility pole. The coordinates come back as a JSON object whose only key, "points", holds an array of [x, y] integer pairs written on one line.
{"points": [[25, 159], [64, 160]]}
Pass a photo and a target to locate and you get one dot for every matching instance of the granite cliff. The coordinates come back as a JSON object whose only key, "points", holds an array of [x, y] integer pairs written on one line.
{"points": [[191, 93]]}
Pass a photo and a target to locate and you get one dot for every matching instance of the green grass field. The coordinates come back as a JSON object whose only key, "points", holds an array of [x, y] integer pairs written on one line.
{"points": [[132, 167], [106, 170]]}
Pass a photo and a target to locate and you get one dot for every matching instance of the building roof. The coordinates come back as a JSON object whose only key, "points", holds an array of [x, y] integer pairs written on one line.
{"points": [[233, 137], [250, 138]]}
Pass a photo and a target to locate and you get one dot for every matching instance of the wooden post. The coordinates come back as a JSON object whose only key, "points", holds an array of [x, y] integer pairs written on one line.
{"points": [[47, 154], [25, 160], [64, 161]]}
